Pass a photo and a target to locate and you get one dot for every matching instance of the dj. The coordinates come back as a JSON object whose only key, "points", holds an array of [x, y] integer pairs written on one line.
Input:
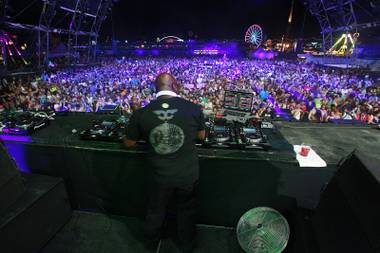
{"points": [[170, 125]]}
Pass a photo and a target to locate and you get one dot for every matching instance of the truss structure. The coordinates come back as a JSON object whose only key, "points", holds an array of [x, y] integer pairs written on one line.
{"points": [[77, 22], [82, 20], [344, 46], [347, 16], [47, 15], [101, 15], [3, 16]]}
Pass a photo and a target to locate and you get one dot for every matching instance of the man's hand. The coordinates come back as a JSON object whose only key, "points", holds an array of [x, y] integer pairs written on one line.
{"points": [[129, 143], [201, 135]]}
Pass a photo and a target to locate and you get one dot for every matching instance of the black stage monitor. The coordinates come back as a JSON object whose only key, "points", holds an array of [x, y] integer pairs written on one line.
{"points": [[238, 100]]}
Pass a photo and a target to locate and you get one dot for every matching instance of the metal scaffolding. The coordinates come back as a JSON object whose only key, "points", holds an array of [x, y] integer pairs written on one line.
{"points": [[101, 15], [3, 17], [78, 22], [87, 17], [78, 15], [337, 16], [47, 15]]}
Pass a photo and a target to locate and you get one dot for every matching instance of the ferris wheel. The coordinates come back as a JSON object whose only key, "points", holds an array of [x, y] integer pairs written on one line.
{"points": [[254, 35]]}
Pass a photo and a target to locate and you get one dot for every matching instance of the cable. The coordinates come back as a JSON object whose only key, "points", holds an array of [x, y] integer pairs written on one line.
{"points": [[159, 246], [23, 10]]}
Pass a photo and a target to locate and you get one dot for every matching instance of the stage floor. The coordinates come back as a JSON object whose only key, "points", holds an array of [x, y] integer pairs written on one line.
{"points": [[333, 142], [100, 233]]}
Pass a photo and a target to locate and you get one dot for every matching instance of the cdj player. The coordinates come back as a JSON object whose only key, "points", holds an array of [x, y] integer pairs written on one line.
{"points": [[234, 135], [219, 134], [238, 129], [106, 130]]}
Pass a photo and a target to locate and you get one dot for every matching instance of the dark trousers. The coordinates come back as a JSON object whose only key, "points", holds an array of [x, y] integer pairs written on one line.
{"points": [[186, 203]]}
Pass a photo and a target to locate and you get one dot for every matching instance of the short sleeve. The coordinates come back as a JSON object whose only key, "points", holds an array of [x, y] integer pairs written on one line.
{"points": [[133, 131]]}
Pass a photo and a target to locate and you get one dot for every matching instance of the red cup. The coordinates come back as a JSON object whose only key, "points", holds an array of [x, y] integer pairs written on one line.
{"points": [[305, 150]]}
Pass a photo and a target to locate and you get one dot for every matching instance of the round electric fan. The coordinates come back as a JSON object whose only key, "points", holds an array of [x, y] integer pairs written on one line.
{"points": [[263, 230]]}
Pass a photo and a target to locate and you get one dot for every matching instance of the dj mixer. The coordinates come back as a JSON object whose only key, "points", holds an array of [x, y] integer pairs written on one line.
{"points": [[24, 123]]}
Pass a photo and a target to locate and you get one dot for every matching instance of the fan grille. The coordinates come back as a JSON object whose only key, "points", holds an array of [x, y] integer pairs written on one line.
{"points": [[263, 230]]}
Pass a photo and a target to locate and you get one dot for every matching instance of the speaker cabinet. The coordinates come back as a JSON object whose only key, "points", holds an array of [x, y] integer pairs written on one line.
{"points": [[347, 218]]}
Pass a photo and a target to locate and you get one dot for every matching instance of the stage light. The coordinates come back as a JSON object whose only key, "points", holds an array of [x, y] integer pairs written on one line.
{"points": [[344, 42], [155, 52], [140, 52]]}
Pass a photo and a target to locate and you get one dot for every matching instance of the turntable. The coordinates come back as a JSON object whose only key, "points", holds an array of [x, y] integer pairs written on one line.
{"points": [[24, 123], [110, 131], [219, 136], [250, 135]]}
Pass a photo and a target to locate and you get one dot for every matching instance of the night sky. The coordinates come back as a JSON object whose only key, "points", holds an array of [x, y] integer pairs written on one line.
{"points": [[206, 19], [209, 19]]}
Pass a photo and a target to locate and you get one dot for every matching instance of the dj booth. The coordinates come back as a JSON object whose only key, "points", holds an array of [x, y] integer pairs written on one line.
{"points": [[107, 177], [244, 163]]}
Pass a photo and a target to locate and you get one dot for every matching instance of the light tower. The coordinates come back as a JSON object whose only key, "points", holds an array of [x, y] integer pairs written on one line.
{"points": [[289, 25]]}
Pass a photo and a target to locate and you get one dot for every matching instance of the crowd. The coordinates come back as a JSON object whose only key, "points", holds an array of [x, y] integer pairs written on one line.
{"points": [[304, 92]]}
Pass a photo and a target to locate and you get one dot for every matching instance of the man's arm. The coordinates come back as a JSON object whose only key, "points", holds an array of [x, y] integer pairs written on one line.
{"points": [[132, 131], [129, 143], [201, 133]]}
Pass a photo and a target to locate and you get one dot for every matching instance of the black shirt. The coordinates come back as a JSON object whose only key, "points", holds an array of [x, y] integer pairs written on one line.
{"points": [[169, 126]]}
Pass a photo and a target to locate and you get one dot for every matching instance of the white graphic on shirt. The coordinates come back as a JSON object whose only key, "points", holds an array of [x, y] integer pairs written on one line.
{"points": [[165, 115], [166, 138]]}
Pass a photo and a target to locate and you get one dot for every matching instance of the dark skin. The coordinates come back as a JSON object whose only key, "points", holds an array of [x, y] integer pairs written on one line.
{"points": [[166, 82]]}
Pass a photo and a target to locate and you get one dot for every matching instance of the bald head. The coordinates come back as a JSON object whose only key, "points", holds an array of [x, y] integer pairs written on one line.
{"points": [[166, 81]]}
